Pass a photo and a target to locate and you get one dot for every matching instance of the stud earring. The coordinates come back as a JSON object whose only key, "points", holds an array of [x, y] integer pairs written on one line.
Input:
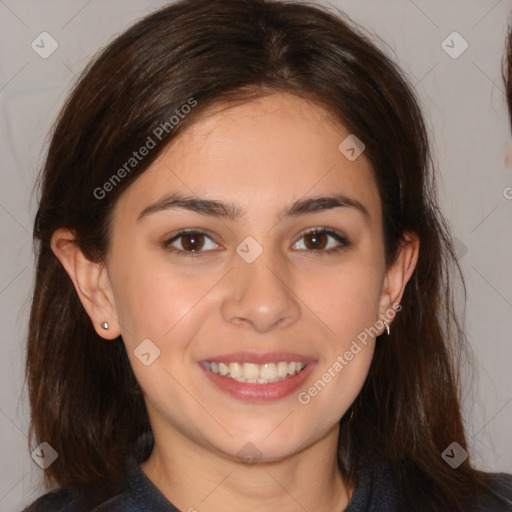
{"points": [[387, 327], [104, 325]]}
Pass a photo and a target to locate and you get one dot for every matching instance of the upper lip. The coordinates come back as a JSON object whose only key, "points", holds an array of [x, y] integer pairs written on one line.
{"points": [[258, 357]]}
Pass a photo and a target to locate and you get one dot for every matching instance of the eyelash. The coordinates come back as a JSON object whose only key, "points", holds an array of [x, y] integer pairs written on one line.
{"points": [[343, 241]]}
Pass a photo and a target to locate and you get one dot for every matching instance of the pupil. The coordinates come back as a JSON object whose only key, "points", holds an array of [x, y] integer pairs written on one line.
{"points": [[192, 242], [316, 239]]}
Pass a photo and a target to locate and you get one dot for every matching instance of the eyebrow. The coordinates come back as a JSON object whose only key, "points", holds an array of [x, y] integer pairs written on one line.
{"points": [[230, 211]]}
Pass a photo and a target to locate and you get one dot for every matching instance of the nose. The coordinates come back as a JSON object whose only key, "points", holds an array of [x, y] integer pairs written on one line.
{"points": [[261, 295]]}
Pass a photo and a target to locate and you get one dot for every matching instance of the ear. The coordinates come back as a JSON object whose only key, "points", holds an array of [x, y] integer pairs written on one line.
{"points": [[398, 274], [91, 282]]}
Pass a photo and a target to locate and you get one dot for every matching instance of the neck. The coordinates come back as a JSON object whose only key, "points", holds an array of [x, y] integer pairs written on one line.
{"points": [[193, 477]]}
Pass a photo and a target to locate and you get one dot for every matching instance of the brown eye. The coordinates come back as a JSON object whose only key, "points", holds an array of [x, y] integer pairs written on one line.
{"points": [[315, 241], [322, 240], [190, 243]]}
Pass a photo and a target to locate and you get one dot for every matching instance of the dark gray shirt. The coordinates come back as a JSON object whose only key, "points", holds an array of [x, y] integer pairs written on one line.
{"points": [[375, 492]]}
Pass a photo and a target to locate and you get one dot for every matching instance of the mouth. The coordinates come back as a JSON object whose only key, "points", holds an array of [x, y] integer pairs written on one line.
{"points": [[252, 373], [257, 377]]}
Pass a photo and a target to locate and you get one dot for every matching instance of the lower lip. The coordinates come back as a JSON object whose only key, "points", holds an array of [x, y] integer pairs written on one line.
{"points": [[259, 392]]}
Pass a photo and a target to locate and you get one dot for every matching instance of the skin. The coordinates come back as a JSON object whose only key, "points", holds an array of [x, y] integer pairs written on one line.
{"points": [[261, 155]]}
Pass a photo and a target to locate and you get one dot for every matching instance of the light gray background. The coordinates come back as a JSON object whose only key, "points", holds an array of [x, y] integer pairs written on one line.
{"points": [[464, 104]]}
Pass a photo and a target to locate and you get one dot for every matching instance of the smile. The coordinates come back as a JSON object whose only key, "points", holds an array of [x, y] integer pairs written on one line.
{"points": [[252, 373]]}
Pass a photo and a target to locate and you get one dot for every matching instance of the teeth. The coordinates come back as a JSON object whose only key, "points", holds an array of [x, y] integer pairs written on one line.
{"points": [[250, 371], [235, 370], [268, 371], [282, 369], [257, 373]]}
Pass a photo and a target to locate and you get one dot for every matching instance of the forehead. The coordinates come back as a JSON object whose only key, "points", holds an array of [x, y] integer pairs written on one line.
{"points": [[261, 153]]}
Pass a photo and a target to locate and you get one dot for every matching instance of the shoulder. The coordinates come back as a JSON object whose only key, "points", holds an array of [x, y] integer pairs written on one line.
{"points": [[63, 500], [71, 500], [500, 499]]}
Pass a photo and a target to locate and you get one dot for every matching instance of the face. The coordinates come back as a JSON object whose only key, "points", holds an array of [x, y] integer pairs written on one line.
{"points": [[266, 283]]}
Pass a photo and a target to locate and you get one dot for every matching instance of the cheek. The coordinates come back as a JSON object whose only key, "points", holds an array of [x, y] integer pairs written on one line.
{"points": [[345, 301], [154, 302], [349, 312], [168, 309], [163, 303]]}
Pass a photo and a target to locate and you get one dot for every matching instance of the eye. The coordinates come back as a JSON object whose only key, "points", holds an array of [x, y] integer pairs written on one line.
{"points": [[317, 240], [189, 242]]}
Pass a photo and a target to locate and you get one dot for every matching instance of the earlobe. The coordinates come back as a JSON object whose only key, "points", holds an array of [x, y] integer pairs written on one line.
{"points": [[91, 283], [398, 275]]}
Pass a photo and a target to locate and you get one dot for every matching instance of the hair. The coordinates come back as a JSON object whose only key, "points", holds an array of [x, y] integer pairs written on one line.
{"points": [[507, 72], [84, 398]]}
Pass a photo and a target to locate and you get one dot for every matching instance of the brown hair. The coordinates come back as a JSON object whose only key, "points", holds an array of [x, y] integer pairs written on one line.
{"points": [[84, 397], [507, 72]]}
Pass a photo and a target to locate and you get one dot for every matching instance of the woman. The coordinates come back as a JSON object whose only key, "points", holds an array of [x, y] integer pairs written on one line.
{"points": [[242, 296]]}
